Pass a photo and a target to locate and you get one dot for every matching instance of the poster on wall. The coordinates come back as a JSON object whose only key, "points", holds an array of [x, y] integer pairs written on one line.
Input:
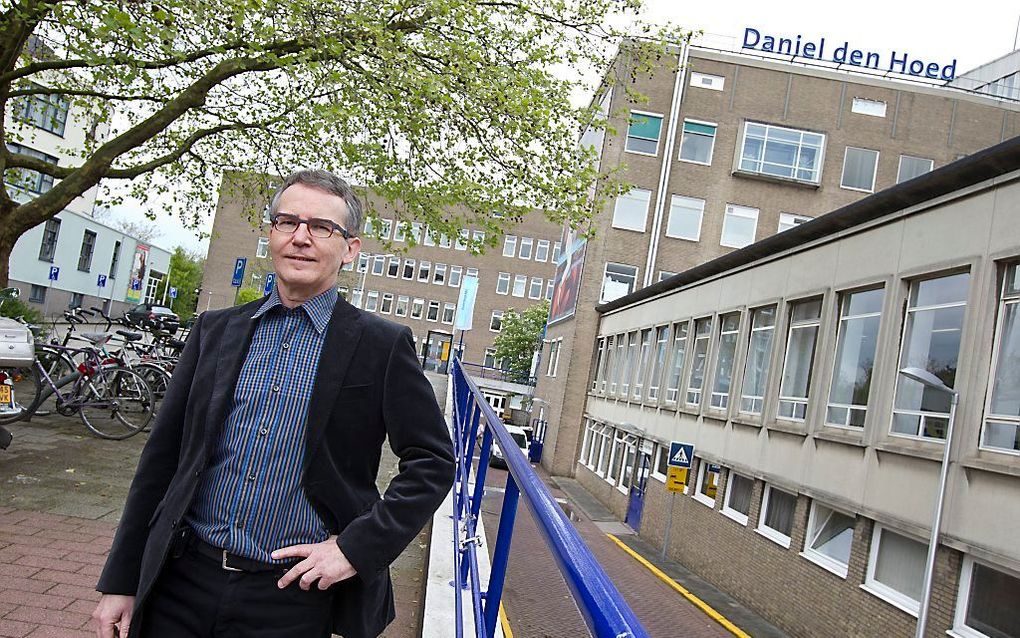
{"points": [[136, 279], [568, 275]]}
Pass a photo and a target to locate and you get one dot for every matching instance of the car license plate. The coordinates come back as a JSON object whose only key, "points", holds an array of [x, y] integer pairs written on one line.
{"points": [[6, 395]]}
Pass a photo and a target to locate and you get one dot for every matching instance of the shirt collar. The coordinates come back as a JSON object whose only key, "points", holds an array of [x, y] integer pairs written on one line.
{"points": [[319, 308]]}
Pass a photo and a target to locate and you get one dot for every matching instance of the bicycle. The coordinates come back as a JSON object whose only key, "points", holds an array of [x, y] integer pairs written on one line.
{"points": [[113, 401]]}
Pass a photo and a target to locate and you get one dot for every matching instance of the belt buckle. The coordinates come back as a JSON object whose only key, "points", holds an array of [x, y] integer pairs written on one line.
{"points": [[228, 567]]}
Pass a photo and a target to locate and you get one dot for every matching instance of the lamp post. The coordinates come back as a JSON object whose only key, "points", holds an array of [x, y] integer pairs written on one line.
{"points": [[929, 380]]}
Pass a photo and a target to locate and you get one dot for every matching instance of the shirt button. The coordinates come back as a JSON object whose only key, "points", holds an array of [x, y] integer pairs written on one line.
{"points": [[286, 346], [264, 431], [276, 388], [251, 477]]}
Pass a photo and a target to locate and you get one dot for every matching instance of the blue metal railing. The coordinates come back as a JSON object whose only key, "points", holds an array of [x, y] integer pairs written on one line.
{"points": [[486, 372], [601, 605]]}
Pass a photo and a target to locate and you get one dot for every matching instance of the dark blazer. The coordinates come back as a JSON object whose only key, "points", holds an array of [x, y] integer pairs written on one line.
{"points": [[369, 385]]}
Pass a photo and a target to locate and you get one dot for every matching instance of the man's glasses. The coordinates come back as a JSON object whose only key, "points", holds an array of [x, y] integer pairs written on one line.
{"points": [[317, 227]]}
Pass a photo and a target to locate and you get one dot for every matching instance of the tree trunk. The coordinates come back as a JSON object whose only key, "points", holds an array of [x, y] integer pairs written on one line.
{"points": [[6, 248]]}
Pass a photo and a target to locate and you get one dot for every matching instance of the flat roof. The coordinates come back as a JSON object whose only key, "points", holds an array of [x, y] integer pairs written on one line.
{"points": [[986, 164]]}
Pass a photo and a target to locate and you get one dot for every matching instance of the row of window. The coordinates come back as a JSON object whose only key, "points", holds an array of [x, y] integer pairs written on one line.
{"points": [[400, 305], [772, 151], [521, 285], [422, 235], [528, 247], [23, 179], [48, 248], [47, 111], [896, 560], [669, 364]]}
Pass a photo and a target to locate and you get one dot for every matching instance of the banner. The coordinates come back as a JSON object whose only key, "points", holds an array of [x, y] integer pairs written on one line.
{"points": [[136, 278], [466, 302], [568, 276]]}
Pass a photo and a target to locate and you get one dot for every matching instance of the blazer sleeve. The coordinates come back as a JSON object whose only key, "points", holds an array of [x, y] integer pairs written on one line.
{"points": [[156, 468], [419, 437]]}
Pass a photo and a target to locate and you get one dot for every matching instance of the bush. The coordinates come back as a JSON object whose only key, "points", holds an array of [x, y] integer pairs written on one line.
{"points": [[15, 308], [248, 294]]}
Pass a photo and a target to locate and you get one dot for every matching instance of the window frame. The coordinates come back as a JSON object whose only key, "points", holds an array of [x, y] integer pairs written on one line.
{"points": [[503, 281], [881, 590], [792, 325], [456, 276], [729, 511], [775, 535], [960, 627], [704, 468], [766, 369], [683, 138], [433, 305], [797, 218], [723, 332], [510, 246], [1004, 299], [523, 281], [820, 164], [810, 534], [409, 265], [605, 274], [874, 172], [732, 210], [530, 243], [669, 220], [899, 167], [262, 248], [841, 298], [531, 287], [542, 247], [496, 316], [623, 224], [88, 250], [693, 345], [628, 136]]}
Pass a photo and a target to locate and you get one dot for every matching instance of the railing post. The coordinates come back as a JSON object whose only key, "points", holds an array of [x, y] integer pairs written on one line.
{"points": [[501, 555], [480, 473]]}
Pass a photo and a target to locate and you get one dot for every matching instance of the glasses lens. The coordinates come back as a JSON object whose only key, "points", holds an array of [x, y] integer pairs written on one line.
{"points": [[285, 223], [320, 228]]}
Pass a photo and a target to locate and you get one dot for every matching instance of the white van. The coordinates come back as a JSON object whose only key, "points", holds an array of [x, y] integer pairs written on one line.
{"points": [[519, 436]]}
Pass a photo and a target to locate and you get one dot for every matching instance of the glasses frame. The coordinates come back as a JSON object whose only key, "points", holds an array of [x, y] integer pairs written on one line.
{"points": [[274, 220]]}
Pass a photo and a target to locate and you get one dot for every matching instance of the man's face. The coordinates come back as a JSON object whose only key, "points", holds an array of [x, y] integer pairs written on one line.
{"points": [[306, 265]]}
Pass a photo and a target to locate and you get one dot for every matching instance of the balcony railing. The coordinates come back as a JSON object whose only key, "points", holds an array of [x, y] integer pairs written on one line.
{"points": [[485, 372]]}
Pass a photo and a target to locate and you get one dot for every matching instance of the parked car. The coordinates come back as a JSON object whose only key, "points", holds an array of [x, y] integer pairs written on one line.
{"points": [[520, 437], [153, 317]]}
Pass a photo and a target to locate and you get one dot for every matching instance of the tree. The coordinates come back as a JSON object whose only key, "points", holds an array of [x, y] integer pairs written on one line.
{"points": [[245, 295], [449, 108], [186, 276], [143, 231], [520, 335]]}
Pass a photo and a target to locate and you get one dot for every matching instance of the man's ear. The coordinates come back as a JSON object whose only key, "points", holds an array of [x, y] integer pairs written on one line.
{"points": [[353, 248]]}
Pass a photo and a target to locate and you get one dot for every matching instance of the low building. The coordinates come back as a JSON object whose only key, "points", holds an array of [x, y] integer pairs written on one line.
{"points": [[816, 460]]}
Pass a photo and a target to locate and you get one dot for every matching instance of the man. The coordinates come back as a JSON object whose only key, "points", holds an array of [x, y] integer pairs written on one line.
{"points": [[253, 511]]}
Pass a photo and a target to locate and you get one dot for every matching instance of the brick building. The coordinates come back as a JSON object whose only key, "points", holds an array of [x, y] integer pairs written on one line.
{"points": [[416, 286]]}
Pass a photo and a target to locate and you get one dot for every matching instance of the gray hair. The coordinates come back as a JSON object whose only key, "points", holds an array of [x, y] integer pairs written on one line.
{"points": [[327, 182]]}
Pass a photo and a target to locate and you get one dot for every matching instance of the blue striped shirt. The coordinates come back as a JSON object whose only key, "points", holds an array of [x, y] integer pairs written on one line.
{"points": [[250, 501]]}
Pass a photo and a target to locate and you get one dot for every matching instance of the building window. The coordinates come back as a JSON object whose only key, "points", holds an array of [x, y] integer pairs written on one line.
{"points": [[708, 482], [542, 250], [503, 283], [759, 354], [629, 362], [676, 361], [32, 181], [393, 269], [449, 310], [401, 308], [496, 321], [88, 246], [527, 244], [456, 273], [830, 535], [618, 363], [417, 308], [439, 275], [37, 294], [805, 318], [658, 362], [445, 241], [911, 167], [549, 289], [510, 246], [356, 297], [262, 250], [859, 316], [378, 265], [777, 509], [931, 341], [462, 239], [860, 165], [556, 251], [697, 142], [47, 111], [782, 152], [432, 314], [48, 248], [114, 260], [873, 108], [426, 237], [685, 215], [896, 569], [705, 81], [386, 307], [729, 325], [598, 369], [986, 606], [76, 300], [789, 220], [478, 237], [363, 260], [739, 226], [343, 292], [372, 301], [1002, 417], [424, 271], [738, 497], [643, 133], [631, 210], [520, 281], [665, 274], [554, 357], [535, 288], [702, 336], [641, 369], [660, 464], [617, 280]]}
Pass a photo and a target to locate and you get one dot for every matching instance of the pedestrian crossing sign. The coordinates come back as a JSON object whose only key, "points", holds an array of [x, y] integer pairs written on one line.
{"points": [[680, 454]]}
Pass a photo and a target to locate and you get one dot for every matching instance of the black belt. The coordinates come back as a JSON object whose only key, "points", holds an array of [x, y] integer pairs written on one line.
{"points": [[233, 562]]}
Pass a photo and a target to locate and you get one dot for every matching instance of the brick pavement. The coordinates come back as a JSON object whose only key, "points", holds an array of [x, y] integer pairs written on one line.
{"points": [[538, 603]]}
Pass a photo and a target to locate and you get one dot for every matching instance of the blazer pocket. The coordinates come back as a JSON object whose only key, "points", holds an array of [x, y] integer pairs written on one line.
{"points": [[354, 392]]}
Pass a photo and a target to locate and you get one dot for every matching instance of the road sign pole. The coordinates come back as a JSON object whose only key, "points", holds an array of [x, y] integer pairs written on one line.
{"points": [[669, 525]]}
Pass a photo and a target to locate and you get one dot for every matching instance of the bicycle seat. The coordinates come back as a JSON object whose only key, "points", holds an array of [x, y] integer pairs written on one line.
{"points": [[130, 336], [97, 338]]}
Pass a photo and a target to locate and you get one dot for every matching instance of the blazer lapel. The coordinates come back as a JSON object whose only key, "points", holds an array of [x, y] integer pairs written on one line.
{"points": [[342, 335], [234, 343]]}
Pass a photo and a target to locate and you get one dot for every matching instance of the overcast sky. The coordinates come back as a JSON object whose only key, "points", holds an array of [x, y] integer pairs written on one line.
{"points": [[972, 33]]}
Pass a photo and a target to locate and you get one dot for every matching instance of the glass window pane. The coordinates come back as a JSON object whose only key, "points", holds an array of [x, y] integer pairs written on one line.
{"points": [[833, 534], [739, 226], [855, 356], [779, 511], [759, 353], [859, 168], [911, 167], [729, 325], [991, 602], [632, 210], [900, 564], [685, 214], [740, 493]]}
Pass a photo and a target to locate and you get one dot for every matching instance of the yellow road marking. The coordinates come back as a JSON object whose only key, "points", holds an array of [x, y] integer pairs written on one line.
{"points": [[504, 622], [700, 604]]}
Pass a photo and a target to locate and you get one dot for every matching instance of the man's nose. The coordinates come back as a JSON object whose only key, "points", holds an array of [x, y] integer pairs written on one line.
{"points": [[301, 236]]}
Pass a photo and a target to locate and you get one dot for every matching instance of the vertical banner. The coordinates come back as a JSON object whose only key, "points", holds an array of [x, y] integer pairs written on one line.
{"points": [[136, 279], [568, 275], [466, 302]]}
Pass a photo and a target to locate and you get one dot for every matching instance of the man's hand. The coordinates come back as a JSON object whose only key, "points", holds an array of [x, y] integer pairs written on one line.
{"points": [[112, 617], [322, 561]]}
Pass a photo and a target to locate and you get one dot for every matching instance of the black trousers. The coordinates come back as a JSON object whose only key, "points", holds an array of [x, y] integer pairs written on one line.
{"points": [[194, 597]]}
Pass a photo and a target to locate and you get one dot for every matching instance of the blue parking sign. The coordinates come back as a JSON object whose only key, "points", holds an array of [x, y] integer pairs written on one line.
{"points": [[270, 280], [54, 272], [173, 293], [680, 454], [101, 281], [239, 272]]}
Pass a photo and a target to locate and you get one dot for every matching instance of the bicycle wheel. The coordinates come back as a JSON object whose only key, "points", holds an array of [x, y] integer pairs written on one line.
{"points": [[57, 365], [25, 387], [157, 378], [115, 403]]}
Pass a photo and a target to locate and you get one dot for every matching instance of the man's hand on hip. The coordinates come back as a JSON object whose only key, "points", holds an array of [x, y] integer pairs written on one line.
{"points": [[322, 561], [112, 617]]}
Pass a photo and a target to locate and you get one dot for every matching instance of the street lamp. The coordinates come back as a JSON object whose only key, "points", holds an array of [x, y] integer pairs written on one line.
{"points": [[929, 380]]}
